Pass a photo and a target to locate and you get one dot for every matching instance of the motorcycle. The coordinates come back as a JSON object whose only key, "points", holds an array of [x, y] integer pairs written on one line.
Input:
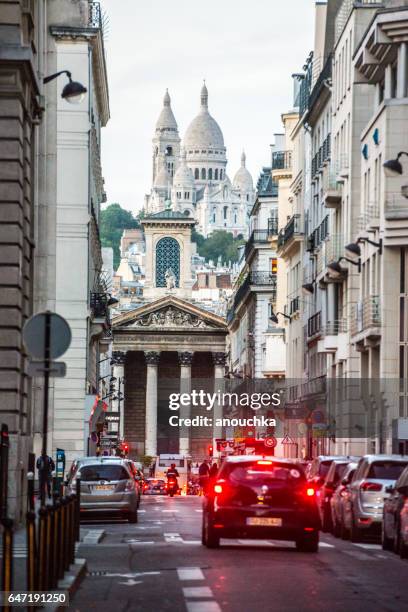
{"points": [[172, 486]]}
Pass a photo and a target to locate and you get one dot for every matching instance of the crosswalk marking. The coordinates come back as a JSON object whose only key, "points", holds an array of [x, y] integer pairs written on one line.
{"points": [[202, 606], [190, 573], [369, 546], [197, 592]]}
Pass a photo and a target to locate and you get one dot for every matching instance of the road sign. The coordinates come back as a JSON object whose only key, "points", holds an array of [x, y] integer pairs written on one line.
{"points": [[112, 417], [287, 440], [34, 335], [318, 416], [106, 442], [57, 369], [270, 442]]}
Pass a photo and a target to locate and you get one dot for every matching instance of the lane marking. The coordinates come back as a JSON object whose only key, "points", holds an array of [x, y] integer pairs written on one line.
{"points": [[369, 546], [168, 510], [256, 542], [326, 545], [196, 592], [190, 573], [191, 541], [202, 606]]}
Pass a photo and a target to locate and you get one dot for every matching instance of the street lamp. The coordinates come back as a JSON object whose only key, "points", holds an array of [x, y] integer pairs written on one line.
{"points": [[393, 167], [73, 91], [335, 269], [309, 287], [354, 248], [274, 317]]}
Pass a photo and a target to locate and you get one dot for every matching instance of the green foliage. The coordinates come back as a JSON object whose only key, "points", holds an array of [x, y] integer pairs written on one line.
{"points": [[218, 243], [114, 219]]}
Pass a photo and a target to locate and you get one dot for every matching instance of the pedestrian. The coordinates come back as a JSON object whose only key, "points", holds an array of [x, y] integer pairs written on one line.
{"points": [[204, 474], [45, 467], [213, 471]]}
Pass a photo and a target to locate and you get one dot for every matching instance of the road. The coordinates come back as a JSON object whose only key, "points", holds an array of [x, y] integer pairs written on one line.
{"points": [[159, 565]]}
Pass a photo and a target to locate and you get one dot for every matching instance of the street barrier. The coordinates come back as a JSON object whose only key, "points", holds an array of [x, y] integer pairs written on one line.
{"points": [[7, 570], [31, 552]]}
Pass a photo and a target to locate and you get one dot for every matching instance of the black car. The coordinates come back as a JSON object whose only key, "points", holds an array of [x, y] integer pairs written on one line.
{"points": [[261, 498], [324, 495], [391, 536]]}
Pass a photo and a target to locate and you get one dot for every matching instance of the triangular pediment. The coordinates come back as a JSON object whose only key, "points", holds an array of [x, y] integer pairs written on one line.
{"points": [[169, 313]]}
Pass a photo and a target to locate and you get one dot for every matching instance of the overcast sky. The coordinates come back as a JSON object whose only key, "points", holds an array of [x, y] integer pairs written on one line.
{"points": [[245, 49]]}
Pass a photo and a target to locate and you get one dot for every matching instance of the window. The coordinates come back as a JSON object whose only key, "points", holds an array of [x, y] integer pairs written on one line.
{"points": [[220, 175], [203, 174], [196, 174], [247, 197], [216, 174], [225, 211], [167, 257], [186, 195], [235, 216], [210, 173], [214, 214]]}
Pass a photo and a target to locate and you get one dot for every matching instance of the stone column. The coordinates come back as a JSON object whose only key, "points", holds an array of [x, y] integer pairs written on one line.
{"points": [[219, 383], [185, 360], [118, 404], [152, 360], [388, 82], [402, 71]]}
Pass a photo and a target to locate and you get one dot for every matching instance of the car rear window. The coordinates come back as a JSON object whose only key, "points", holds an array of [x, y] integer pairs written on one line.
{"points": [[248, 473], [324, 467], [104, 472], [339, 471], [386, 470]]}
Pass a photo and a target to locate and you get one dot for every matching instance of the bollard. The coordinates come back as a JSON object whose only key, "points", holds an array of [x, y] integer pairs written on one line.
{"points": [[78, 510], [62, 539], [68, 532], [50, 547], [73, 527], [56, 542], [7, 569], [42, 549], [31, 552]]}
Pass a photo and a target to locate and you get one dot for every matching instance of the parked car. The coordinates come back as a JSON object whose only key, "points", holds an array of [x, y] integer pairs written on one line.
{"points": [[339, 498], [392, 532], [107, 488], [319, 468], [333, 477], [254, 497], [368, 489], [402, 537], [154, 486]]}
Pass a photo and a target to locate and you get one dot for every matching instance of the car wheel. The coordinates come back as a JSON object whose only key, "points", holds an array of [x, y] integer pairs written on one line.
{"points": [[386, 543], [308, 543], [210, 538], [133, 517], [403, 548]]}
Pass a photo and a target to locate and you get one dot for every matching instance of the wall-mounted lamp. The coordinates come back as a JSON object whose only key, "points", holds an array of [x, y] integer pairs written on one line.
{"points": [[309, 287], [73, 91], [274, 317], [393, 167], [336, 269], [354, 248]]}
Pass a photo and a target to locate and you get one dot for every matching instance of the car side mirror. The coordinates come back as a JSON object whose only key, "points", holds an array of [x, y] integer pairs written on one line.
{"points": [[389, 489]]}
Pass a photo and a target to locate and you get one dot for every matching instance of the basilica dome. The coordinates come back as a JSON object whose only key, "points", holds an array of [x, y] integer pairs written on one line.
{"points": [[243, 179], [204, 132], [184, 176]]}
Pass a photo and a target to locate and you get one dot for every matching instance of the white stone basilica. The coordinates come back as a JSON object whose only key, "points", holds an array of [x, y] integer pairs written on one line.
{"points": [[192, 178]]}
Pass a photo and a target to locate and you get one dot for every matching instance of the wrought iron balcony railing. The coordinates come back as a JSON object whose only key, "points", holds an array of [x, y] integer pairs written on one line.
{"points": [[94, 15], [99, 306], [294, 305], [272, 227], [333, 328], [282, 160], [367, 314], [314, 324], [260, 236], [291, 229]]}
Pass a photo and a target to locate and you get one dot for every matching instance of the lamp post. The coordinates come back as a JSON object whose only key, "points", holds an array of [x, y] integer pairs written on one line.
{"points": [[393, 167]]}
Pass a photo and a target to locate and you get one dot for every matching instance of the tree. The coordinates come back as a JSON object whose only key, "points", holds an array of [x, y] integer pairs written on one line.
{"points": [[218, 243], [114, 219]]}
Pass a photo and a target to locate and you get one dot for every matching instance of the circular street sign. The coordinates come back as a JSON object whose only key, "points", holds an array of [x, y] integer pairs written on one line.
{"points": [[34, 335], [270, 442], [317, 416]]}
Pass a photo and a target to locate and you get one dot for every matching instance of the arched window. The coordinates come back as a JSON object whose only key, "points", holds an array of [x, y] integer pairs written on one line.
{"points": [[214, 214], [247, 198], [235, 216], [167, 257], [210, 174], [220, 175], [216, 174], [203, 174], [225, 211], [196, 174]]}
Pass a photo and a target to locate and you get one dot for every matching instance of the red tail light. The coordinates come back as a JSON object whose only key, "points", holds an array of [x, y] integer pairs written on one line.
{"points": [[263, 462], [218, 489], [310, 492], [371, 486]]}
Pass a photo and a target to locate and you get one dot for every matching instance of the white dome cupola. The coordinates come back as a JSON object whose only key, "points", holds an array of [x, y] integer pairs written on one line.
{"points": [[243, 179], [166, 140], [184, 192]]}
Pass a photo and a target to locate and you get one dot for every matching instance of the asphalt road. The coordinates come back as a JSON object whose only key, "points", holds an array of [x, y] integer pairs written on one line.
{"points": [[160, 565]]}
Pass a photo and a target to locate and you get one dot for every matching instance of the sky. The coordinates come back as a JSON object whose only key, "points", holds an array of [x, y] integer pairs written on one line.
{"points": [[246, 50]]}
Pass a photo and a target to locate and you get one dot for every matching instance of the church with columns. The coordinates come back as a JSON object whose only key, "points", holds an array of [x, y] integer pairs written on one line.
{"points": [[191, 177], [167, 345]]}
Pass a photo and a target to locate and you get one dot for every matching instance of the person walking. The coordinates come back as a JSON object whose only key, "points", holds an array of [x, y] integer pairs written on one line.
{"points": [[204, 475], [213, 471], [45, 467]]}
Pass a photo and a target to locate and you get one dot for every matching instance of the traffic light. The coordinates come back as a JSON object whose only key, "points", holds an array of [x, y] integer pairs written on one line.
{"points": [[210, 450], [125, 448]]}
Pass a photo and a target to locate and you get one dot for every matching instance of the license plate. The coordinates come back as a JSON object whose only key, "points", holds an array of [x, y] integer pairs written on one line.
{"points": [[103, 487], [260, 521]]}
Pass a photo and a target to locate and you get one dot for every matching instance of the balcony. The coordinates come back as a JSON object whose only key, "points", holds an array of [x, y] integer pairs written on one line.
{"points": [[370, 218], [334, 338], [254, 281], [332, 250], [272, 227], [290, 235], [366, 319], [257, 237], [331, 189], [314, 325], [342, 166], [333, 328], [281, 165], [294, 306]]}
